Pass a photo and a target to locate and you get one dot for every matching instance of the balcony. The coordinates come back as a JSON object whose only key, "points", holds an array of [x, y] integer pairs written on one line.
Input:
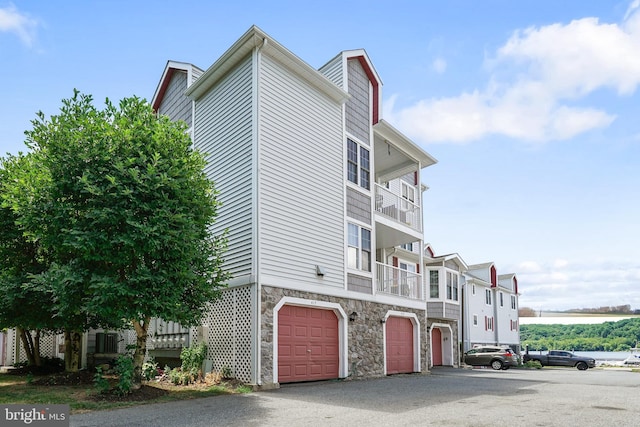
{"points": [[398, 208], [402, 283]]}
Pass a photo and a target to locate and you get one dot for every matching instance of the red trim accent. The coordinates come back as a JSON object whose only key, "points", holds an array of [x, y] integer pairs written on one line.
{"points": [[415, 178], [395, 261], [418, 268], [431, 252], [163, 88], [374, 83], [515, 285], [494, 277]]}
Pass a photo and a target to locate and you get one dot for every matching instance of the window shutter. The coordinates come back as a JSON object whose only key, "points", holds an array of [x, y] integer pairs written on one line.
{"points": [[395, 261]]}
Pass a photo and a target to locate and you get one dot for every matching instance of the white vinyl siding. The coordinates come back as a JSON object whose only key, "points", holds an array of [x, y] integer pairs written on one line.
{"points": [[301, 179], [333, 71], [174, 103], [224, 133], [195, 73]]}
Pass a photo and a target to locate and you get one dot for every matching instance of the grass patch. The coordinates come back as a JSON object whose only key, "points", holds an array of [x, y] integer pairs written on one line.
{"points": [[85, 398]]}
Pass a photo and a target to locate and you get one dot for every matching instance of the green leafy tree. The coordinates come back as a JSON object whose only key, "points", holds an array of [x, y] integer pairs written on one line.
{"points": [[125, 212], [24, 305]]}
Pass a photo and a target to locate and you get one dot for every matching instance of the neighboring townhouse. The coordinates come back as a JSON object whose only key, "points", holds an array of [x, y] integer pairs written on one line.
{"points": [[490, 305], [508, 324], [444, 278], [322, 202]]}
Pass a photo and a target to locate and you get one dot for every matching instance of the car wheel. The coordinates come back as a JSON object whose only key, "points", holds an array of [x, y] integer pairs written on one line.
{"points": [[582, 366], [496, 364]]}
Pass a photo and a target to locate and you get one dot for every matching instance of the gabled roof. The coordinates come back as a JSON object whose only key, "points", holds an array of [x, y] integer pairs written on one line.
{"points": [[481, 266], [167, 74], [511, 279], [488, 267], [450, 257], [256, 38]]}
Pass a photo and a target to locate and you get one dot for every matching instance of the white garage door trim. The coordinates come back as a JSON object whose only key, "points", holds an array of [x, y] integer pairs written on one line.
{"points": [[342, 329]]}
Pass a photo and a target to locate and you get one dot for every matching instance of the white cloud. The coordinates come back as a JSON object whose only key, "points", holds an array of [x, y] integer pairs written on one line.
{"points": [[13, 21], [537, 79], [439, 65], [528, 267], [562, 284], [560, 263]]}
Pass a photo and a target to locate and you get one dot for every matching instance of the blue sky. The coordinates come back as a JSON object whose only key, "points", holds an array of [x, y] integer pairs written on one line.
{"points": [[531, 107]]}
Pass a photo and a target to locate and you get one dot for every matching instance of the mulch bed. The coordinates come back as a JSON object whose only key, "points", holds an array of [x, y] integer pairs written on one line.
{"points": [[85, 377]]}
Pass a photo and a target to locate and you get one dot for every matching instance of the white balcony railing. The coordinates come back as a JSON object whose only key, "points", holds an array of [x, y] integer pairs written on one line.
{"points": [[398, 208], [395, 281]]}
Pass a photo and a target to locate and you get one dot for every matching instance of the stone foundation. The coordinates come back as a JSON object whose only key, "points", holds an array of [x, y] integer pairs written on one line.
{"points": [[365, 338]]}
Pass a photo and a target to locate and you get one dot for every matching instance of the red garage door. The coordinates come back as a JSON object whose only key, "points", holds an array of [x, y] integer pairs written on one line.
{"points": [[399, 345], [436, 346], [307, 344]]}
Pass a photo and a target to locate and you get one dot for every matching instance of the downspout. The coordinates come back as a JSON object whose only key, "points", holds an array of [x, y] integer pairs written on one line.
{"points": [[256, 212]]}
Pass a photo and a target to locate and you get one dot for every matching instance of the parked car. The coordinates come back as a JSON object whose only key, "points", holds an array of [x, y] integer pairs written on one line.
{"points": [[562, 358], [496, 357]]}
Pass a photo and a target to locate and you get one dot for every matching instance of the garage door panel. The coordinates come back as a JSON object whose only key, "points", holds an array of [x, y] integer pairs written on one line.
{"points": [[284, 350], [315, 332], [314, 343], [399, 345], [301, 351], [285, 331]]}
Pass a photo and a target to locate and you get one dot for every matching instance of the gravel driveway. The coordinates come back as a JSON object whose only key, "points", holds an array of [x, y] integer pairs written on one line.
{"points": [[445, 397]]}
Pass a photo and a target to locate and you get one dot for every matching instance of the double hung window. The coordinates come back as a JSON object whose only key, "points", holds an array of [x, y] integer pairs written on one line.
{"points": [[434, 284], [452, 286], [358, 167], [359, 248], [487, 296]]}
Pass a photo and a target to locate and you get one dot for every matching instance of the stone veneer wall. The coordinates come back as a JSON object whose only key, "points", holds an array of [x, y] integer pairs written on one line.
{"points": [[365, 334]]}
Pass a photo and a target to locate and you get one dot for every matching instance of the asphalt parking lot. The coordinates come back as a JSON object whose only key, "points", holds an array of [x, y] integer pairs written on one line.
{"points": [[444, 397]]}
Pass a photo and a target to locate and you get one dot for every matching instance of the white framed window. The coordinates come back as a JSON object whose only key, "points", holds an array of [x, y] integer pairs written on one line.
{"points": [[501, 299], [434, 284], [359, 248], [452, 286], [475, 320], [488, 323], [487, 296], [407, 247], [358, 165], [513, 302], [473, 289], [408, 195]]}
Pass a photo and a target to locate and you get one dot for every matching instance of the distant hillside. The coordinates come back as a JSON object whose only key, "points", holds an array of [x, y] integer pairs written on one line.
{"points": [[608, 336]]}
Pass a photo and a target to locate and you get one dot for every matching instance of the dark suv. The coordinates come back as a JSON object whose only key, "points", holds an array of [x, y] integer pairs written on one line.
{"points": [[496, 357]]}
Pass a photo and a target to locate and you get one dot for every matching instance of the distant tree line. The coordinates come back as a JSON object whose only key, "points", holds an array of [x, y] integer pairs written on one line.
{"points": [[618, 309], [608, 336]]}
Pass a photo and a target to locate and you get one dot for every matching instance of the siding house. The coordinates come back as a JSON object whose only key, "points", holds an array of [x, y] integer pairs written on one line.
{"points": [[490, 308], [444, 276], [318, 192]]}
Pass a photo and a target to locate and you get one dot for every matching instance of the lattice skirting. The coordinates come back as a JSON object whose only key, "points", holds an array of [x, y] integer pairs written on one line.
{"points": [[226, 328]]}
